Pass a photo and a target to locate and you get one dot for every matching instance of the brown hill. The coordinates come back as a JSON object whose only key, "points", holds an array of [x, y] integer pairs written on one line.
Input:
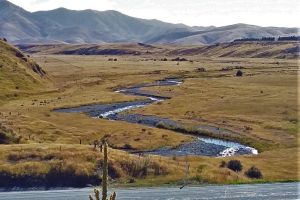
{"points": [[243, 50], [18, 73], [264, 49]]}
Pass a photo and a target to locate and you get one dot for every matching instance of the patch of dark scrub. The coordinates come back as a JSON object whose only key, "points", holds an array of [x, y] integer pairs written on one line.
{"points": [[293, 50], [56, 177], [146, 45], [143, 167], [37, 69], [7, 136]]}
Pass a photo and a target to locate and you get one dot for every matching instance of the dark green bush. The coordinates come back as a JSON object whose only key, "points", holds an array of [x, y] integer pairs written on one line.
{"points": [[253, 172], [239, 73], [235, 165]]}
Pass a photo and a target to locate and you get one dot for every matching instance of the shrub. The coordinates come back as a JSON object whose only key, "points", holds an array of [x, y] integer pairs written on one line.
{"points": [[201, 69], [142, 167], [179, 59], [8, 137], [239, 73], [127, 146], [223, 164], [253, 172], [235, 165], [131, 180]]}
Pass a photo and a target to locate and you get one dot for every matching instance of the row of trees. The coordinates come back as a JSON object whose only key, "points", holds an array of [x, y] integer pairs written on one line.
{"points": [[287, 38]]}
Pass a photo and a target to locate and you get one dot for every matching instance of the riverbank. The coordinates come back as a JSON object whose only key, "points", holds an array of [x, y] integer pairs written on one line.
{"points": [[201, 146]]}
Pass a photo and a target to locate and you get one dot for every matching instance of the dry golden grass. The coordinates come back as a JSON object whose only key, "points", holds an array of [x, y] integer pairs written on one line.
{"points": [[265, 99], [16, 73], [76, 163]]}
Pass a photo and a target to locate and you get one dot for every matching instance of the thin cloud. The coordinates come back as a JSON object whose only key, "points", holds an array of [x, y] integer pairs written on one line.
{"points": [[39, 1]]}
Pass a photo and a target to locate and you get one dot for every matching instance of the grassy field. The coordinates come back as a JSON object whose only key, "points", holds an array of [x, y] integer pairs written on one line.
{"points": [[261, 107]]}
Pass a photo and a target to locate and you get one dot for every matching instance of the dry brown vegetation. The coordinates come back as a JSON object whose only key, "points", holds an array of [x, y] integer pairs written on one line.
{"points": [[282, 49], [261, 107]]}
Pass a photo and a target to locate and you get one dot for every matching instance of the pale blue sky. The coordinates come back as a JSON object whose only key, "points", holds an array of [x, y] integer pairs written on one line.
{"points": [[191, 12]]}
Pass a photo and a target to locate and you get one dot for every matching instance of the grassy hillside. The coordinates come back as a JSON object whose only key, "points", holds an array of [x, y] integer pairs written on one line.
{"points": [[244, 50], [221, 34], [280, 50], [19, 74]]}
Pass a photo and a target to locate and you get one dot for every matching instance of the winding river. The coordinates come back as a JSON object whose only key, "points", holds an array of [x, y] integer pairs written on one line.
{"points": [[203, 146]]}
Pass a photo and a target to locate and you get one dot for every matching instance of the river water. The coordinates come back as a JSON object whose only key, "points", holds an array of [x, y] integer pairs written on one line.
{"points": [[201, 146]]}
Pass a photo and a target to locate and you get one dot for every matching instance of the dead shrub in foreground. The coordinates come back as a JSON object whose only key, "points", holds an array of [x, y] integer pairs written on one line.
{"points": [[142, 167]]}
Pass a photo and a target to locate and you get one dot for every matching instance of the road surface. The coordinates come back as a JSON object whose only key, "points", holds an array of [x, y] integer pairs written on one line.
{"points": [[274, 191]]}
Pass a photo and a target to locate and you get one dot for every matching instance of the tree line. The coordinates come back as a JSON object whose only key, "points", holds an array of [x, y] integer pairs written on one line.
{"points": [[284, 38]]}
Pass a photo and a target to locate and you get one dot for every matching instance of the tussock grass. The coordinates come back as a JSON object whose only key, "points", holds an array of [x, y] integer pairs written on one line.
{"points": [[72, 165]]}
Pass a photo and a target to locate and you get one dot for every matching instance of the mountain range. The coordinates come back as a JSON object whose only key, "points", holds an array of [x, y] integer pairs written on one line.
{"points": [[89, 26]]}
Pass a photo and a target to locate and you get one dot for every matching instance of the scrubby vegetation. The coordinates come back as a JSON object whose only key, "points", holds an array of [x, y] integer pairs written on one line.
{"points": [[223, 164], [239, 73], [235, 165], [7, 136], [254, 172], [289, 38], [70, 166], [281, 38]]}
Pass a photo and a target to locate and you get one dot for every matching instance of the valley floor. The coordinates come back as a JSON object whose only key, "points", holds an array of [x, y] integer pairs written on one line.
{"points": [[260, 107]]}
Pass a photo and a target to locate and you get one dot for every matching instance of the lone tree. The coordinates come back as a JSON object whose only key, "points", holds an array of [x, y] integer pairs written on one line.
{"points": [[235, 165], [104, 178]]}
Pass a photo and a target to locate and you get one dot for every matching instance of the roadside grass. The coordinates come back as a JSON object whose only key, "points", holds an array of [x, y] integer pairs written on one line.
{"points": [[48, 165], [45, 165]]}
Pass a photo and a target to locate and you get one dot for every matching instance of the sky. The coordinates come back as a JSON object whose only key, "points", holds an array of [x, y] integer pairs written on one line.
{"points": [[282, 13]]}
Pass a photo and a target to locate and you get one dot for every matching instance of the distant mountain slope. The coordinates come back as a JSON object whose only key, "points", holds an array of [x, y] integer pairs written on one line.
{"points": [[18, 72], [89, 26], [16, 23], [289, 50], [223, 34], [107, 26], [86, 26]]}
